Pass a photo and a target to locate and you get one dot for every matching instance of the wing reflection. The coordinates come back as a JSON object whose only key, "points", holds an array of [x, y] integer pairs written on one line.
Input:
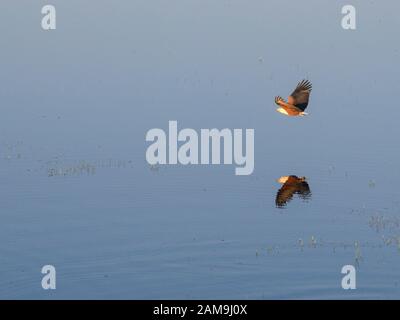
{"points": [[292, 185]]}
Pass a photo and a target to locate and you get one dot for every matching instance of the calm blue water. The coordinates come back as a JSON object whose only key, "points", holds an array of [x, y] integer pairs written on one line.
{"points": [[76, 191]]}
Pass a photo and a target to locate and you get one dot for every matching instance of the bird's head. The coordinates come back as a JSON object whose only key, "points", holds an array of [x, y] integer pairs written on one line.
{"points": [[282, 179], [281, 110]]}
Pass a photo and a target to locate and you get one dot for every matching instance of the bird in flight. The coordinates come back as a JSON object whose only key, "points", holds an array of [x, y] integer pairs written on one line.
{"points": [[291, 185], [297, 101]]}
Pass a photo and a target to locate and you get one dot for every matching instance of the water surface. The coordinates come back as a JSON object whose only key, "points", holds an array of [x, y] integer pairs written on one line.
{"points": [[77, 193]]}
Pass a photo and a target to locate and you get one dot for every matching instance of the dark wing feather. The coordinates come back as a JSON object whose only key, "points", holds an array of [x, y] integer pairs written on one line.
{"points": [[301, 95], [284, 195], [303, 190]]}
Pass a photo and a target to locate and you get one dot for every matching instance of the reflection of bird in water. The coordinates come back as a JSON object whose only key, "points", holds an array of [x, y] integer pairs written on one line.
{"points": [[292, 185], [297, 101]]}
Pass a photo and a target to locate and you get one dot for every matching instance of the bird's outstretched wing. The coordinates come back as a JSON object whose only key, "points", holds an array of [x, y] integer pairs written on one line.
{"points": [[284, 195], [304, 191], [301, 95], [280, 101]]}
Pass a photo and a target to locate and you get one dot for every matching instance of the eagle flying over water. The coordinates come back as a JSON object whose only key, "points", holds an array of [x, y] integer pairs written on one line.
{"points": [[292, 185], [297, 101]]}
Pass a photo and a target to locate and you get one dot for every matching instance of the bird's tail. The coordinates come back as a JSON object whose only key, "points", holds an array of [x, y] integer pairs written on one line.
{"points": [[304, 114]]}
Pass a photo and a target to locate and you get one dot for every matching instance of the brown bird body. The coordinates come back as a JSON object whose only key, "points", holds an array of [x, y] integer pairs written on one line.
{"points": [[291, 185], [297, 101]]}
